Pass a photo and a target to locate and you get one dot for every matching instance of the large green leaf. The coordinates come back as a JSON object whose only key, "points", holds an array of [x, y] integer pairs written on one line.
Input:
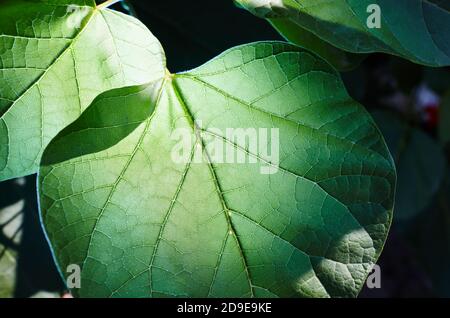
{"points": [[55, 58], [141, 223], [341, 60], [417, 30]]}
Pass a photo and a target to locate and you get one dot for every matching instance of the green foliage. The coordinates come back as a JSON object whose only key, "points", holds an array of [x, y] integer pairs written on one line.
{"points": [[416, 30], [85, 93], [141, 224], [54, 61], [420, 165], [430, 236]]}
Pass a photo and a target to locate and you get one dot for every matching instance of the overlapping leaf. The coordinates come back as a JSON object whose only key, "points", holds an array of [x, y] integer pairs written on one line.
{"points": [[115, 200], [418, 30], [430, 237], [341, 60], [55, 58]]}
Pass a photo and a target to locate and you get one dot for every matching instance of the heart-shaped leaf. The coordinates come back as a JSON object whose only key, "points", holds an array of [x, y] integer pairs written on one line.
{"points": [[417, 30], [55, 58], [148, 207]]}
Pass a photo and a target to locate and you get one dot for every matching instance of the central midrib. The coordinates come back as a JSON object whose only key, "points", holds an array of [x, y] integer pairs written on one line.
{"points": [[226, 209]]}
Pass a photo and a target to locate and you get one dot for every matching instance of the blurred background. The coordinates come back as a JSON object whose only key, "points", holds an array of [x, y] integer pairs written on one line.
{"points": [[410, 103]]}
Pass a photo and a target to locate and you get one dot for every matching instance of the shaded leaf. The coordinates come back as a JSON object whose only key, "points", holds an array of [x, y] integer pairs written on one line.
{"points": [[420, 164], [341, 60], [343, 23], [430, 236]]}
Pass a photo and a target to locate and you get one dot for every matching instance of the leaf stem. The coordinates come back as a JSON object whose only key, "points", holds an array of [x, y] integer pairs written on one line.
{"points": [[107, 4]]}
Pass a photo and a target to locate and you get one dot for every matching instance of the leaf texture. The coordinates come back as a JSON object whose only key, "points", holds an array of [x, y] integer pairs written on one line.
{"points": [[339, 59], [55, 58], [141, 224], [417, 30], [420, 165]]}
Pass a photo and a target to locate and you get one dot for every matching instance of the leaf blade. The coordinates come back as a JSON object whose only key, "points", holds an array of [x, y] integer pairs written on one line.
{"points": [[343, 24], [213, 229], [49, 85]]}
